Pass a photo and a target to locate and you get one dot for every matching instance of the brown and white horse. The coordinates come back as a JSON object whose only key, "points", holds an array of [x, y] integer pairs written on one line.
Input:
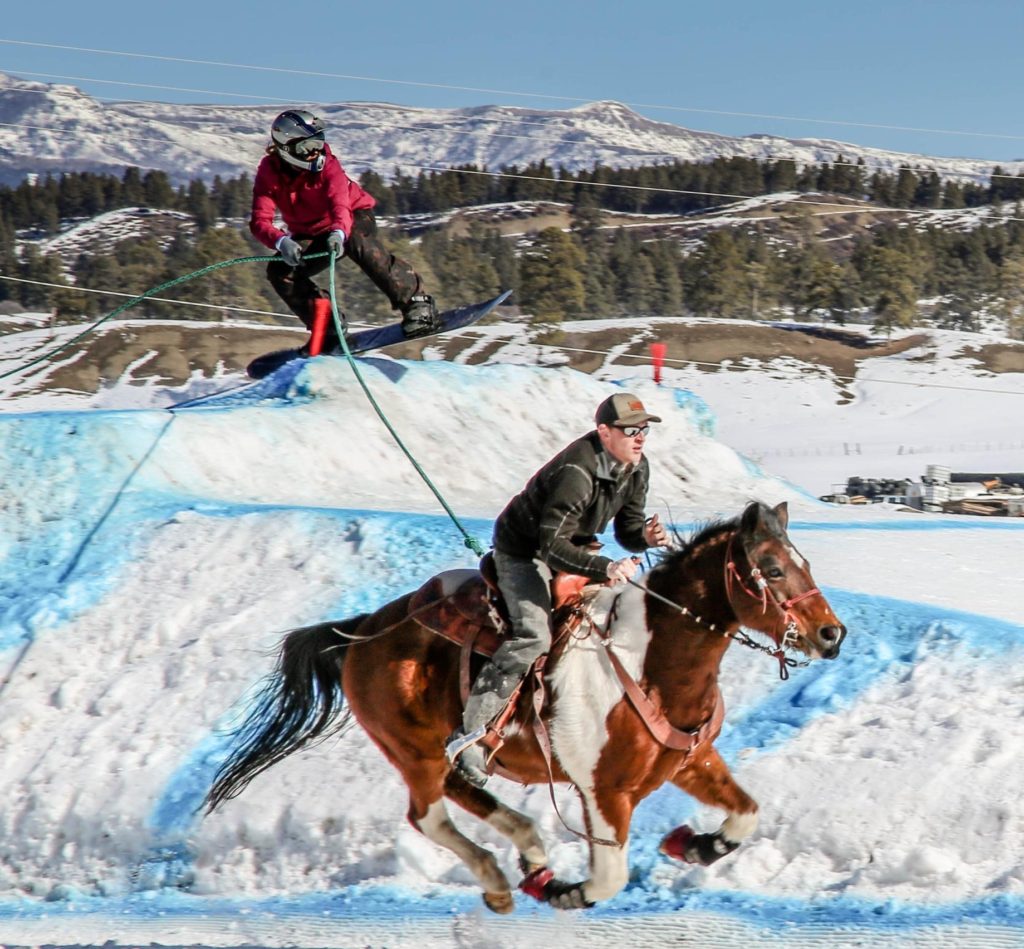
{"points": [[634, 702]]}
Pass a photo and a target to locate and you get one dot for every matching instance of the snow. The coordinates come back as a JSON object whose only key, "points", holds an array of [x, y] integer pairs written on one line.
{"points": [[186, 141], [153, 556]]}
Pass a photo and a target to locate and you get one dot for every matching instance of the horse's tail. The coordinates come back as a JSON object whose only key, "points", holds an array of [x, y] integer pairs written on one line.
{"points": [[300, 703]]}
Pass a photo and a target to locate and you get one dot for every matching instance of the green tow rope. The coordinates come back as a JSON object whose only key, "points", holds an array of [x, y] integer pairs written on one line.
{"points": [[471, 542], [135, 300], [468, 539]]}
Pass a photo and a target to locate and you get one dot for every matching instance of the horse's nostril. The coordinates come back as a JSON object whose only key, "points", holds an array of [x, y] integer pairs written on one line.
{"points": [[831, 634]]}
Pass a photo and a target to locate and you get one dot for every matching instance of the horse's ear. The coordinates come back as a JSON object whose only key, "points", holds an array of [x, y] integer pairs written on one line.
{"points": [[781, 511], [751, 518]]}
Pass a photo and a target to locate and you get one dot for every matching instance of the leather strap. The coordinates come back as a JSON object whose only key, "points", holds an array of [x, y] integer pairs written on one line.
{"points": [[661, 729]]}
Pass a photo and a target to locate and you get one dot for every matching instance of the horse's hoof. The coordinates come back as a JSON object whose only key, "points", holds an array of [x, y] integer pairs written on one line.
{"points": [[502, 902], [542, 886], [677, 844], [703, 849], [567, 895], [528, 868], [536, 883]]}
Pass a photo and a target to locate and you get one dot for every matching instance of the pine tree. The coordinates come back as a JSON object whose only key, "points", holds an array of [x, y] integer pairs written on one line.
{"points": [[715, 278], [8, 260], [40, 270], [236, 286], [551, 285]]}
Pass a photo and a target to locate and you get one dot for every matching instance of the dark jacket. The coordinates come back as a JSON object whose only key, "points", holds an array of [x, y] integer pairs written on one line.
{"points": [[310, 202], [568, 502]]}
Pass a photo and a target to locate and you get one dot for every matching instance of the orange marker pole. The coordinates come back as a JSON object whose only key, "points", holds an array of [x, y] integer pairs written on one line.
{"points": [[321, 314], [658, 351]]}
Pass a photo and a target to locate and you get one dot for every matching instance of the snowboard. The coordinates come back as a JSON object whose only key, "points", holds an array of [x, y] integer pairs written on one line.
{"points": [[377, 337]]}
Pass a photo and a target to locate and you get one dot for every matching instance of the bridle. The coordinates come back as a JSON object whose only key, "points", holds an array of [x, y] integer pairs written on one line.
{"points": [[790, 632], [733, 577]]}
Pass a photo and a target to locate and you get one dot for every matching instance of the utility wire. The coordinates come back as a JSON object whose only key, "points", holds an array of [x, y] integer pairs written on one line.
{"points": [[801, 198], [73, 288], [441, 125], [740, 368], [500, 92], [567, 349]]}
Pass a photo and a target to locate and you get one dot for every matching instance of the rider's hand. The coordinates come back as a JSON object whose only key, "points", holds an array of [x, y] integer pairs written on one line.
{"points": [[619, 571], [336, 242], [654, 533], [290, 251]]}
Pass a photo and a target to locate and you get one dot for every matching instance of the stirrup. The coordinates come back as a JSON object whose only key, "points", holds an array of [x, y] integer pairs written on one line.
{"points": [[460, 741]]}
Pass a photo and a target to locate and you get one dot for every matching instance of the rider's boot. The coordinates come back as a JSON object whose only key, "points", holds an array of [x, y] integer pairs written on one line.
{"points": [[468, 755], [491, 691]]}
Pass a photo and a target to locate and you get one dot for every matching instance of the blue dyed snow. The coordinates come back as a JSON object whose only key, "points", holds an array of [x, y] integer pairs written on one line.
{"points": [[388, 904], [85, 459], [697, 410]]}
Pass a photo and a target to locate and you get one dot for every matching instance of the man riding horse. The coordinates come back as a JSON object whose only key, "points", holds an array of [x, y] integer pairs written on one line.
{"points": [[552, 525]]}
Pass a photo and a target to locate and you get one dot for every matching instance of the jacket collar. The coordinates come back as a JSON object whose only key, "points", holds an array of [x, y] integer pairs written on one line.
{"points": [[608, 468]]}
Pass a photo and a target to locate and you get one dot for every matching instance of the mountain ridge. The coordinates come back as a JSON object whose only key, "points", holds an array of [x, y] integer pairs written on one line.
{"points": [[81, 133]]}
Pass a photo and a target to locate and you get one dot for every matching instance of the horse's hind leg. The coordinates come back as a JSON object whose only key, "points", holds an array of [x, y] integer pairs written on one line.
{"points": [[518, 828], [431, 819]]}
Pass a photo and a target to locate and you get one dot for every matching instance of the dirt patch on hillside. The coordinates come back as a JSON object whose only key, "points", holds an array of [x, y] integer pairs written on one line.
{"points": [[168, 354], [716, 347], [172, 354], [1001, 357]]}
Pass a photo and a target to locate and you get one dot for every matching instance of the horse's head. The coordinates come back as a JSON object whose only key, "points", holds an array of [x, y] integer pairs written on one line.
{"points": [[771, 589]]}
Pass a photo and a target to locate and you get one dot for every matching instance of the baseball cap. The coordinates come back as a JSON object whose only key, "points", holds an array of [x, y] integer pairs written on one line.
{"points": [[623, 409]]}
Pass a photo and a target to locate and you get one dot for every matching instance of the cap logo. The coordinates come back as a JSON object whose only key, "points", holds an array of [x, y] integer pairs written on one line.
{"points": [[636, 406]]}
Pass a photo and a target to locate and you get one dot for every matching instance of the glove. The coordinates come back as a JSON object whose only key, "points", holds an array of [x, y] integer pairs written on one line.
{"points": [[654, 533], [336, 242], [619, 571], [290, 251]]}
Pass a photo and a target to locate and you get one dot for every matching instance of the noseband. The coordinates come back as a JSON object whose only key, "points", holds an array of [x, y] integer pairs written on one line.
{"points": [[790, 633], [732, 574]]}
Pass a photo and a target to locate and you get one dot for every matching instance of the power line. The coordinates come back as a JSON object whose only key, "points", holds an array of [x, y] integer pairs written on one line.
{"points": [[804, 199], [501, 92], [455, 121], [717, 365], [116, 293], [852, 380]]}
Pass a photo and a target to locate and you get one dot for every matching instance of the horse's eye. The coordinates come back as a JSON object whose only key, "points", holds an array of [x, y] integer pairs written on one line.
{"points": [[775, 573]]}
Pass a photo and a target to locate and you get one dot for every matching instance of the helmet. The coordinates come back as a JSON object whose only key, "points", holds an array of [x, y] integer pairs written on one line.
{"points": [[298, 137]]}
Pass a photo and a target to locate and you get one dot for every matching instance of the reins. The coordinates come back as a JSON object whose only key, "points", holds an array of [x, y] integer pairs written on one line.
{"points": [[732, 574]]}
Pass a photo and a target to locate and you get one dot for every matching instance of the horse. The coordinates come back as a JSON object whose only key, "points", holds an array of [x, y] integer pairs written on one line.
{"points": [[633, 702]]}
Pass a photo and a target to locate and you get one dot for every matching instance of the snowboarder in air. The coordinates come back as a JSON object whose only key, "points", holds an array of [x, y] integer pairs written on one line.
{"points": [[323, 209]]}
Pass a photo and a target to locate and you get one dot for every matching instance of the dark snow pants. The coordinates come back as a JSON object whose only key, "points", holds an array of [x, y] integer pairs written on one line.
{"points": [[393, 276]]}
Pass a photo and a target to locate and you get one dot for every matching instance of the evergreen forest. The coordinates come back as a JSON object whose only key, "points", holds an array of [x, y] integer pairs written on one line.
{"points": [[896, 269]]}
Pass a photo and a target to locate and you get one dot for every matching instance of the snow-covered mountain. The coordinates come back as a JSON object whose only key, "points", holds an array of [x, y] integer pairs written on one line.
{"points": [[58, 128]]}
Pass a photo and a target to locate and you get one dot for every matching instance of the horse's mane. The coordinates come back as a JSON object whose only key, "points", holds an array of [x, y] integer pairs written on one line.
{"points": [[684, 548]]}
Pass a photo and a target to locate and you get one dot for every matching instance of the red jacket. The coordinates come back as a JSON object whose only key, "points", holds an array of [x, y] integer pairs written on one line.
{"points": [[311, 202]]}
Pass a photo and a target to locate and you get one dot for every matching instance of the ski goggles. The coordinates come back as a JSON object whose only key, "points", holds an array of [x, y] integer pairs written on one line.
{"points": [[631, 431], [307, 147]]}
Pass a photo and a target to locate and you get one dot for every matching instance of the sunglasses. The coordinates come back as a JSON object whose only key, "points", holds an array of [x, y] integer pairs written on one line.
{"points": [[307, 147], [631, 431]]}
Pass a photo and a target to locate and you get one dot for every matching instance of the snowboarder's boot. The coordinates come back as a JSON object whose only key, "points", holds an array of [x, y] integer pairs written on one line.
{"points": [[419, 316]]}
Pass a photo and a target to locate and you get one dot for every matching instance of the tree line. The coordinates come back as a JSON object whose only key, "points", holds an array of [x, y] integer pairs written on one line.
{"points": [[587, 271]]}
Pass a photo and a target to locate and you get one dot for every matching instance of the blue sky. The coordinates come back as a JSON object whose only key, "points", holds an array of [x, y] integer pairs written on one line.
{"points": [[929, 67]]}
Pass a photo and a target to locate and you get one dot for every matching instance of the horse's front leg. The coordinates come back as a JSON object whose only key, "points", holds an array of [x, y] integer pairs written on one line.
{"points": [[606, 818], [706, 777]]}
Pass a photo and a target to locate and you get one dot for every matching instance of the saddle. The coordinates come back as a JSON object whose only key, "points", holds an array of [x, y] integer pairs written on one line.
{"points": [[467, 608]]}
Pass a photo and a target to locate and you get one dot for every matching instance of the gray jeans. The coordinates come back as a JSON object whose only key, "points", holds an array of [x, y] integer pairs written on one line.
{"points": [[526, 586]]}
